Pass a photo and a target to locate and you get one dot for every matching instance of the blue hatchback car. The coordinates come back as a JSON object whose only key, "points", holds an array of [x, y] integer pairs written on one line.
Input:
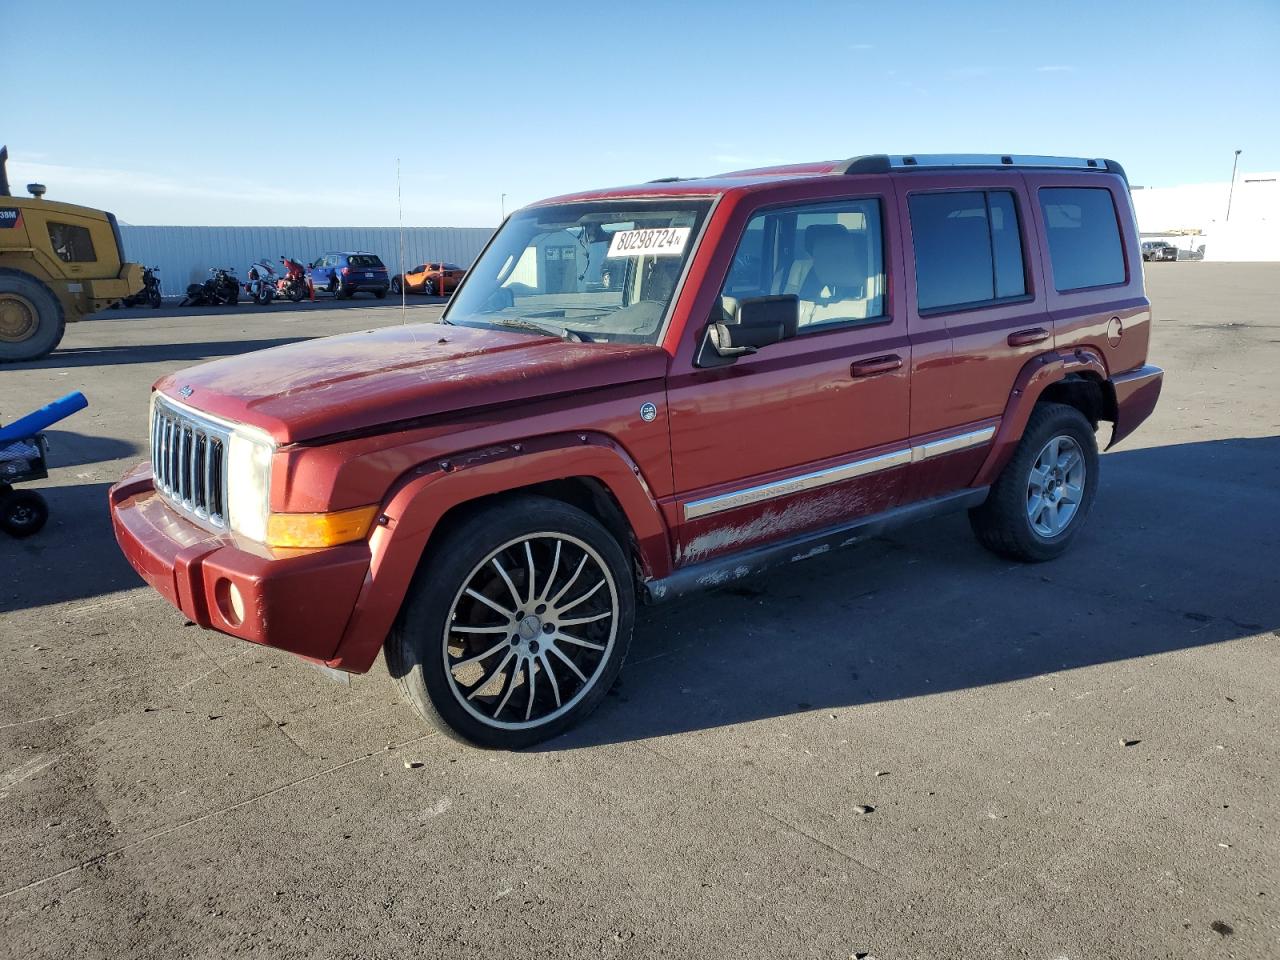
{"points": [[346, 274]]}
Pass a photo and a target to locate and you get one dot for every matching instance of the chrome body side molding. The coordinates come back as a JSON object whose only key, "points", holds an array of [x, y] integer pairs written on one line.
{"points": [[836, 474]]}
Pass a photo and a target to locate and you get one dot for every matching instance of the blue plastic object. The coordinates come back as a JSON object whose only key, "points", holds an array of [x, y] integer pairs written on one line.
{"points": [[33, 423]]}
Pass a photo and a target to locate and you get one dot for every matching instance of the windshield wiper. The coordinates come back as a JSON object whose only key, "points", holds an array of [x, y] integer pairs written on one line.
{"points": [[564, 333]]}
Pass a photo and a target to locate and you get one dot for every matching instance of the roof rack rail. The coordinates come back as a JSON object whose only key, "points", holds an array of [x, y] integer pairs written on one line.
{"points": [[885, 163]]}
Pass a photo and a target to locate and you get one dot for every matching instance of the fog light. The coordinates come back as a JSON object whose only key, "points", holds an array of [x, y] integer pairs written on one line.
{"points": [[230, 602]]}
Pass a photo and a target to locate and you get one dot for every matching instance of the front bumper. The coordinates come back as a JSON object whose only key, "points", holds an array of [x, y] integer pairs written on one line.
{"points": [[1136, 393], [296, 600]]}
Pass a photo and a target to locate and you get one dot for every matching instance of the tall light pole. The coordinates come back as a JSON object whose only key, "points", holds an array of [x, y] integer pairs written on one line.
{"points": [[1232, 189], [503, 201]]}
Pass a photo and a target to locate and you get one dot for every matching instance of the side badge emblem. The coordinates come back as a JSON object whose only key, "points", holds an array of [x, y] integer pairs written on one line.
{"points": [[186, 392], [648, 413]]}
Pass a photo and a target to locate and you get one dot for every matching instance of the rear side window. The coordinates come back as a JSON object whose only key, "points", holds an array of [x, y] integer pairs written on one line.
{"points": [[1084, 237], [968, 248], [364, 260], [71, 243]]}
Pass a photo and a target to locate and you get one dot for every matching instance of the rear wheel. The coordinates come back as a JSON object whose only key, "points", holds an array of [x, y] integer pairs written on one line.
{"points": [[153, 297], [22, 512], [31, 318], [395, 284], [429, 288], [380, 294], [296, 293], [516, 626], [1042, 498]]}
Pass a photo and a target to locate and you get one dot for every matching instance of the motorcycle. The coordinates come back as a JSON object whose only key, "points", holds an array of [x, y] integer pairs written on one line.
{"points": [[262, 282], [150, 292], [293, 285], [221, 287]]}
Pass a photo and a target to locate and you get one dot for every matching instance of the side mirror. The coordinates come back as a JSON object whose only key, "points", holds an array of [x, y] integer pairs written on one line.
{"points": [[755, 322]]}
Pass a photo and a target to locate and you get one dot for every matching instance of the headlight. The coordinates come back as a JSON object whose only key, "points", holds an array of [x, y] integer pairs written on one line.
{"points": [[249, 482]]}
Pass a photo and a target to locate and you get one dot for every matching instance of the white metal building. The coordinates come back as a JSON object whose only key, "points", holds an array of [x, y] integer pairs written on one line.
{"points": [[1251, 233], [185, 254]]}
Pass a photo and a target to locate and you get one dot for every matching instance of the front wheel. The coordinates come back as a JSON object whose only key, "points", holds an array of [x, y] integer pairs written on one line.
{"points": [[395, 285], [296, 293], [153, 298], [517, 625], [1042, 498], [429, 288]]}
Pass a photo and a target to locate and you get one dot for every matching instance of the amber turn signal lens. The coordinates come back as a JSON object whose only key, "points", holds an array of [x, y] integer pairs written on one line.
{"points": [[319, 529]]}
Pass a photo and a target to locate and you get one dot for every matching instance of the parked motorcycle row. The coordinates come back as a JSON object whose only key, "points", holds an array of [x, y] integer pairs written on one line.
{"points": [[263, 285]]}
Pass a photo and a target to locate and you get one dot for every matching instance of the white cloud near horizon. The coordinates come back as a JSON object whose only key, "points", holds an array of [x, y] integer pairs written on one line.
{"points": [[142, 197]]}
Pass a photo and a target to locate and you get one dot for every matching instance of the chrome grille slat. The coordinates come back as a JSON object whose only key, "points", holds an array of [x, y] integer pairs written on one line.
{"points": [[188, 462]]}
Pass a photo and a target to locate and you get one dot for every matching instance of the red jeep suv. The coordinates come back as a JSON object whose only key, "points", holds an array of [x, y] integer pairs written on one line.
{"points": [[641, 392]]}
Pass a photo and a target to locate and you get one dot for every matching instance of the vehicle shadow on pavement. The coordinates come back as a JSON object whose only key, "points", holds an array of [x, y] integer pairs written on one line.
{"points": [[157, 353], [75, 557], [1179, 553], [70, 449]]}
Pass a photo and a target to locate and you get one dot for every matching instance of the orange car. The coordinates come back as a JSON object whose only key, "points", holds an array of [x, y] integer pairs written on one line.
{"points": [[433, 279]]}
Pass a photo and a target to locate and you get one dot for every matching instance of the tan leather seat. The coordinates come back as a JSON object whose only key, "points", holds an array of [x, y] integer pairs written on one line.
{"points": [[835, 288]]}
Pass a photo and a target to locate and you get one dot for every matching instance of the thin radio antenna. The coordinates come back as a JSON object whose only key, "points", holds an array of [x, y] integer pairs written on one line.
{"points": [[400, 211]]}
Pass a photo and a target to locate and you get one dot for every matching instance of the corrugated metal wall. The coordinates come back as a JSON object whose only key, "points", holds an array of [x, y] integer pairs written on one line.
{"points": [[185, 254]]}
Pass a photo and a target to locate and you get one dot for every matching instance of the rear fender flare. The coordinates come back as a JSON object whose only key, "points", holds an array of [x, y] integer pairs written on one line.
{"points": [[414, 508], [1032, 379]]}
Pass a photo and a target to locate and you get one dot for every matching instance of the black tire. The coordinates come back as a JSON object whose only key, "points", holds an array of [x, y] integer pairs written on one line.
{"points": [[296, 293], [154, 298], [395, 284], [31, 319], [23, 513], [1003, 523], [380, 294], [233, 295], [429, 288], [416, 648], [334, 287]]}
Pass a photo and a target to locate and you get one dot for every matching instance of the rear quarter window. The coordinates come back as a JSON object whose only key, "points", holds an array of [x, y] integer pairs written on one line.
{"points": [[1084, 237]]}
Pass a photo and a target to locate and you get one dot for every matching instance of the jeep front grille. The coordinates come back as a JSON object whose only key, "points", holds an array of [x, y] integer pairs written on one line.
{"points": [[189, 462]]}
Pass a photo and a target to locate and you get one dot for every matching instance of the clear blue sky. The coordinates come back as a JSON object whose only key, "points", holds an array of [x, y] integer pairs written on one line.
{"points": [[190, 113]]}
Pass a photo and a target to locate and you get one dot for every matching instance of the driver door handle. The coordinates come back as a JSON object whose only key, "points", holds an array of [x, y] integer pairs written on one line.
{"points": [[874, 365]]}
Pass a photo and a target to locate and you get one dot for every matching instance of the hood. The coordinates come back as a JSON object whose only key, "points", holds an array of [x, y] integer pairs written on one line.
{"points": [[359, 381]]}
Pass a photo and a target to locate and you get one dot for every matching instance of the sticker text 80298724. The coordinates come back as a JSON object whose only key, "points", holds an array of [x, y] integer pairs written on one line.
{"points": [[656, 242]]}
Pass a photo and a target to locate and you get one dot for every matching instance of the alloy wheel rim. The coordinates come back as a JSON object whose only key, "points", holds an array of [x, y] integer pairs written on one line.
{"points": [[18, 318], [530, 631], [1055, 489]]}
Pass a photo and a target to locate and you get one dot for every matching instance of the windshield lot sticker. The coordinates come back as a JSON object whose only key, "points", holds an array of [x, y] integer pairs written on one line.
{"points": [[660, 242]]}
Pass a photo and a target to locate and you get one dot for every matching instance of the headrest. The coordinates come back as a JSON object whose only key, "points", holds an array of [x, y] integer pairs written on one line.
{"points": [[839, 257], [816, 231]]}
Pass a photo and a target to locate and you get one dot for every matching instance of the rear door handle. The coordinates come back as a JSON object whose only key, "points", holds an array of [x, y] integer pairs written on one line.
{"points": [[869, 368], [1024, 338]]}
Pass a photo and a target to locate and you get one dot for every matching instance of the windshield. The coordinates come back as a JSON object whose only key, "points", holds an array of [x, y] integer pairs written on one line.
{"points": [[597, 271]]}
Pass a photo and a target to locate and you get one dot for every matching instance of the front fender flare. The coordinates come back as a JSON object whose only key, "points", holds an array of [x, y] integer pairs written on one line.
{"points": [[414, 507]]}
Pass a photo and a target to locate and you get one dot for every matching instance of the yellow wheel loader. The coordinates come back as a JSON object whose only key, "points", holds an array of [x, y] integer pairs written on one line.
{"points": [[58, 263]]}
